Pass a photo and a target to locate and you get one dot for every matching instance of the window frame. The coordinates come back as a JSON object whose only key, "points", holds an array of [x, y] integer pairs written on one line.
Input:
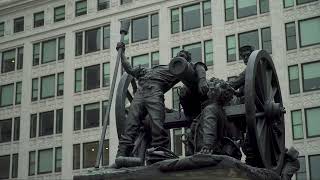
{"points": [[103, 3], [309, 163], [286, 32], [290, 92], [306, 122], [77, 14], [299, 31], [2, 32], [38, 23], [18, 93], [302, 73], [8, 121], [55, 19], [15, 30], [235, 48], [41, 81], [148, 28], [38, 161], [13, 94], [293, 125], [200, 16], [237, 10]]}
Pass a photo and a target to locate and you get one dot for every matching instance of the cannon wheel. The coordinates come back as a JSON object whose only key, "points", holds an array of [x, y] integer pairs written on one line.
{"points": [[264, 110]]}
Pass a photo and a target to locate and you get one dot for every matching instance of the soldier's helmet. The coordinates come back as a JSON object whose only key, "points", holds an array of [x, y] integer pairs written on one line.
{"points": [[184, 54], [245, 52]]}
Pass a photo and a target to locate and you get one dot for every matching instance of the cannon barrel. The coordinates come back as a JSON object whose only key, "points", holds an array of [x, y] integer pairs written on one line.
{"points": [[184, 71]]}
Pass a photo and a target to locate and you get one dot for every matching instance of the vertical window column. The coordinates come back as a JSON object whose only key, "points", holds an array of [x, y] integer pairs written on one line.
{"points": [[175, 21], [231, 48], [297, 125], [208, 49]]}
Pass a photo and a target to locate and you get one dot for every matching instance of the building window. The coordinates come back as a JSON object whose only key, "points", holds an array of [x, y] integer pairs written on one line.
{"points": [[20, 58], [18, 92], [48, 51], [229, 10], [14, 167], [18, 24], [291, 36], [309, 32], [8, 61], [32, 163], [103, 4], [175, 98], [195, 50], [155, 59], [5, 167], [264, 6], [78, 80], [36, 54], [246, 8], [104, 111], [288, 3], [154, 25], [312, 121], [175, 51], [175, 22], [90, 151], [177, 141], [208, 51], [191, 17], [16, 129], [266, 39], [76, 156], [33, 125], [59, 121], [61, 48], [81, 7], [231, 48], [60, 84], [294, 85], [297, 125], [58, 159], [92, 77], [207, 13], [140, 30], [2, 29], [59, 13], [106, 37], [47, 86], [6, 98], [79, 39], [35, 88], [51, 50], [46, 120], [92, 40], [105, 155], [5, 130], [45, 158], [38, 19], [91, 115], [106, 74], [311, 76], [314, 164], [249, 38], [302, 172], [304, 1], [141, 60], [77, 118]]}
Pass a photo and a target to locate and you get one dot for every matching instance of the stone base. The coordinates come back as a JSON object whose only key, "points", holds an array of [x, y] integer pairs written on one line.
{"points": [[194, 167]]}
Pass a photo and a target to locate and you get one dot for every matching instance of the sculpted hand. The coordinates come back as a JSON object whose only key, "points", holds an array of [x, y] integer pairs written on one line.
{"points": [[203, 86], [121, 45]]}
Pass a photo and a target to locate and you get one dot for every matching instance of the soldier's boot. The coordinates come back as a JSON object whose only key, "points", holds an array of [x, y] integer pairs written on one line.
{"points": [[124, 150]]}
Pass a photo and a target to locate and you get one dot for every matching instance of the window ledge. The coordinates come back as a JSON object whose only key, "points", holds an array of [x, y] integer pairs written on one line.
{"points": [[6, 107], [92, 129]]}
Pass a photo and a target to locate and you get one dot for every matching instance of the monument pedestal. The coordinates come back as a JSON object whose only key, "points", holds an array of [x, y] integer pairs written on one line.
{"points": [[195, 167]]}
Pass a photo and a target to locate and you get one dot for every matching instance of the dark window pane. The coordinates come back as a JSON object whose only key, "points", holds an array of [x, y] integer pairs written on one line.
{"points": [[58, 159], [61, 48], [59, 13], [191, 17], [78, 80], [79, 39], [206, 13], [36, 54], [38, 19], [4, 167], [177, 142], [304, 1], [5, 130], [291, 36], [60, 84], [294, 84], [48, 51], [175, 22], [314, 164], [59, 121], [20, 58], [91, 115], [155, 58], [195, 50], [249, 38], [15, 159], [45, 158], [104, 110], [154, 25], [309, 32], [33, 125], [264, 6], [16, 130], [2, 29], [93, 38], [35, 84], [6, 95], [46, 120], [81, 7], [288, 3], [32, 163], [18, 92], [76, 156], [106, 37], [208, 49], [8, 61], [297, 126], [312, 121], [90, 151], [47, 86], [106, 74], [125, 1], [105, 155], [231, 48], [266, 39], [18, 25], [229, 10], [142, 60], [246, 8], [302, 173], [311, 76], [92, 77], [77, 118], [103, 4], [140, 30]]}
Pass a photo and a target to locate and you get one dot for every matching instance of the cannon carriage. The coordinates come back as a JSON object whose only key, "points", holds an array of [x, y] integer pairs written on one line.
{"points": [[261, 115]]}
